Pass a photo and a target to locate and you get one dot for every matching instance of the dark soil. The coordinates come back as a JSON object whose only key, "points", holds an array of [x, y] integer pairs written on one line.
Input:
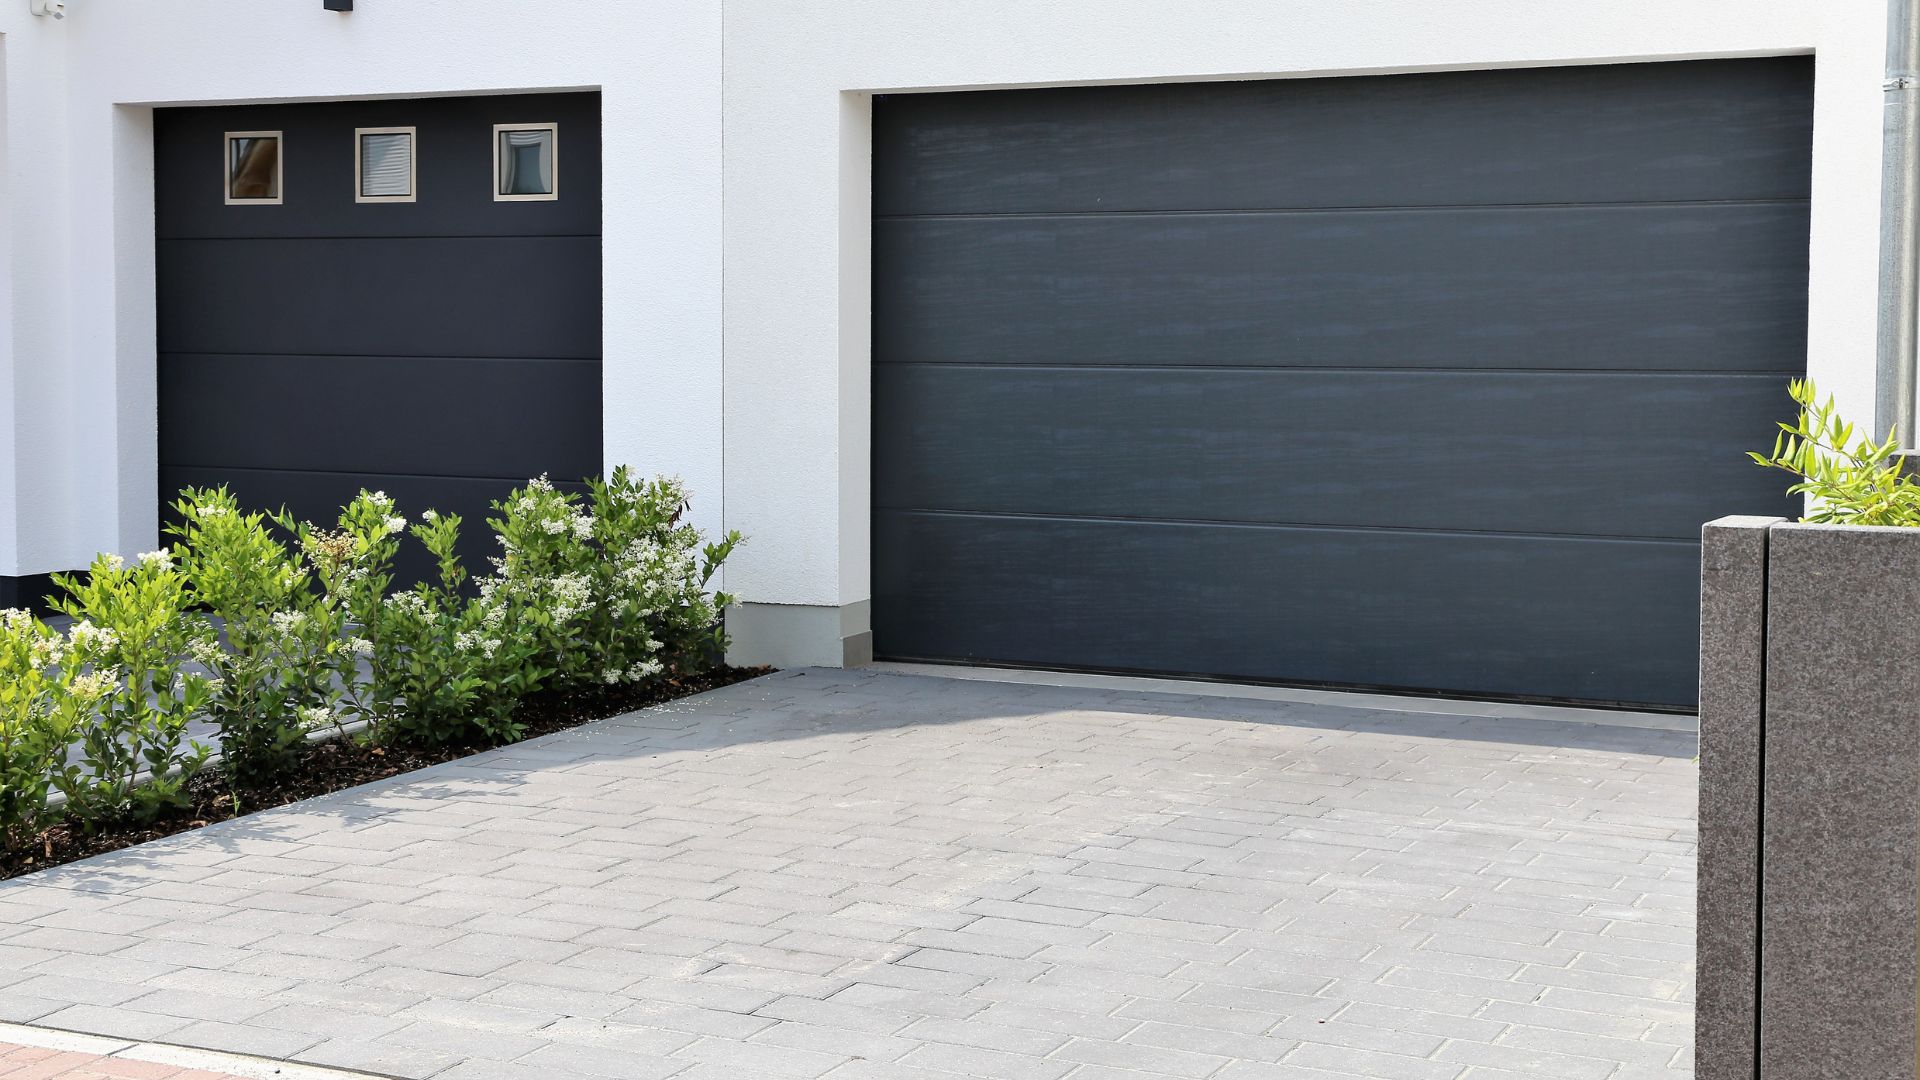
{"points": [[339, 764]]}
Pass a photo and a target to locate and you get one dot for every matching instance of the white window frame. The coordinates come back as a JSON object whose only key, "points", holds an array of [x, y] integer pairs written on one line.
{"points": [[413, 165], [494, 181], [279, 167]]}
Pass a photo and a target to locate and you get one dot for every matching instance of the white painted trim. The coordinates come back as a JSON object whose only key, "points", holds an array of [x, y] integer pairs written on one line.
{"points": [[279, 167], [552, 196], [413, 165], [1495, 710]]}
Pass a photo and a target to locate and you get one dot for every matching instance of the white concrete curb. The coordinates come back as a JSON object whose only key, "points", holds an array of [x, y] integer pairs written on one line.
{"points": [[249, 1068]]}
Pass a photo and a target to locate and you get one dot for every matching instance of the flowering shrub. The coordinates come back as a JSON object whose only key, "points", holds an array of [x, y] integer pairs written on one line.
{"points": [[133, 629], [274, 678], [352, 566], [40, 720], [456, 667], [268, 628], [617, 587]]}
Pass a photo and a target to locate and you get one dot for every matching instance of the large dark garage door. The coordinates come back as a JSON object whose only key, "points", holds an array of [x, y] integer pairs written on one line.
{"points": [[1421, 381], [442, 349]]}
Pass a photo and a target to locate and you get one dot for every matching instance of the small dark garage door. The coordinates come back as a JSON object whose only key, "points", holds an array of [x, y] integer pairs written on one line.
{"points": [[442, 350], [1421, 381]]}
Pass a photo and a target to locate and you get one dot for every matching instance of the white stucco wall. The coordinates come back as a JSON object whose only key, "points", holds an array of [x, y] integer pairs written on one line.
{"points": [[759, 107], [77, 238]]}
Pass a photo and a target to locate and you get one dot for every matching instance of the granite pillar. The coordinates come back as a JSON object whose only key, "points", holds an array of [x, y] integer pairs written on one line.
{"points": [[1840, 798], [1733, 613]]}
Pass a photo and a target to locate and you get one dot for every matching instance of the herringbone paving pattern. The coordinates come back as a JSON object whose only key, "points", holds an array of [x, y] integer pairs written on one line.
{"points": [[875, 876]]}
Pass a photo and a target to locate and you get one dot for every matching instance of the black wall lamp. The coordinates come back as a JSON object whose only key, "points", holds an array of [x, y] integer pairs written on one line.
{"points": [[337, 5]]}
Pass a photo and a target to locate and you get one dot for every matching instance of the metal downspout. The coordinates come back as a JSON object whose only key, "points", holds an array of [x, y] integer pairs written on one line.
{"points": [[1899, 343]]}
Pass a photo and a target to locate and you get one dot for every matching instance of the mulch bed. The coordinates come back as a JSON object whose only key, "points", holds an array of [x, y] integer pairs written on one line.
{"points": [[336, 765]]}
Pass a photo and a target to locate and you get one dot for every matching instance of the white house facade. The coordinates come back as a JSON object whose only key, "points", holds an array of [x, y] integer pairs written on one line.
{"points": [[982, 377]]}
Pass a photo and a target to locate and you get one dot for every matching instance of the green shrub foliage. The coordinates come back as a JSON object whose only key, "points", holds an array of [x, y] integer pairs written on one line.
{"points": [[134, 623], [270, 629], [46, 698], [272, 639], [612, 587], [1850, 479]]}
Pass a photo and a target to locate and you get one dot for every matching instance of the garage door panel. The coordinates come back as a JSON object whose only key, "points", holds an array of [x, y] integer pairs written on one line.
{"points": [[1716, 129], [1652, 287], [319, 496], [1592, 619], [443, 416], [1409, 381], [1493, 451], [527, 296], [443, 350]]}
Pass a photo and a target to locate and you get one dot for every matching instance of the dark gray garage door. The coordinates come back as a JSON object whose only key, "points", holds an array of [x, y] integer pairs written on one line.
{"points": [[1419, 381], [443, 349]]}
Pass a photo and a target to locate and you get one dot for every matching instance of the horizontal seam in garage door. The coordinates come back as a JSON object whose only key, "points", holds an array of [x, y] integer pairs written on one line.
{"points": [[221, 467], [1110, 519], [386, 236], [1282, 369], [181, 354], [1171, 212]]}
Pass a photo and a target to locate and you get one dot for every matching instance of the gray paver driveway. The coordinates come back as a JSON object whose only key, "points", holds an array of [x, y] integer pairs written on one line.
{"points": [[896, 877]]}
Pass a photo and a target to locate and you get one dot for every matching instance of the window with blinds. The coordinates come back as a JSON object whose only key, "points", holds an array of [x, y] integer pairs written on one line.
{"points": [[384, 164]]}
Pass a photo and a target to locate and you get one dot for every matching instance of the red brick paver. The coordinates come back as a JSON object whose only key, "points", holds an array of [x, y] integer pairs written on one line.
{"points": [[36, 1063]]}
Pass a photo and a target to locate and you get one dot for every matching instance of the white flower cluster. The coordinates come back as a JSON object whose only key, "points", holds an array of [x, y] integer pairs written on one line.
{"points": [[644, 669], [408, 603], [359, 646], [572, 596], [288, 622], [95, 685], [578, 524], [161, 558], [206, 651], [43, 648], [391, 522], [89, 638], [337, 551], [317, 716], [476, 641]]}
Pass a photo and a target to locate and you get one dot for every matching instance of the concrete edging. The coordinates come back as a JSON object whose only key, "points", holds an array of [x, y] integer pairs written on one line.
{"points": [[184, 1057]]}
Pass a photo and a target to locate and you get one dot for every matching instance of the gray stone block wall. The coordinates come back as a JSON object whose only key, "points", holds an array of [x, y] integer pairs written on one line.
{"points": [[1733, 612], [1840, 879], [1809, 898]]}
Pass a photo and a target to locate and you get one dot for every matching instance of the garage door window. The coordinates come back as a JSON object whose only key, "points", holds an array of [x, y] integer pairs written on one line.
{"points": [[526, 162], [383, 163], [253, 168]]}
